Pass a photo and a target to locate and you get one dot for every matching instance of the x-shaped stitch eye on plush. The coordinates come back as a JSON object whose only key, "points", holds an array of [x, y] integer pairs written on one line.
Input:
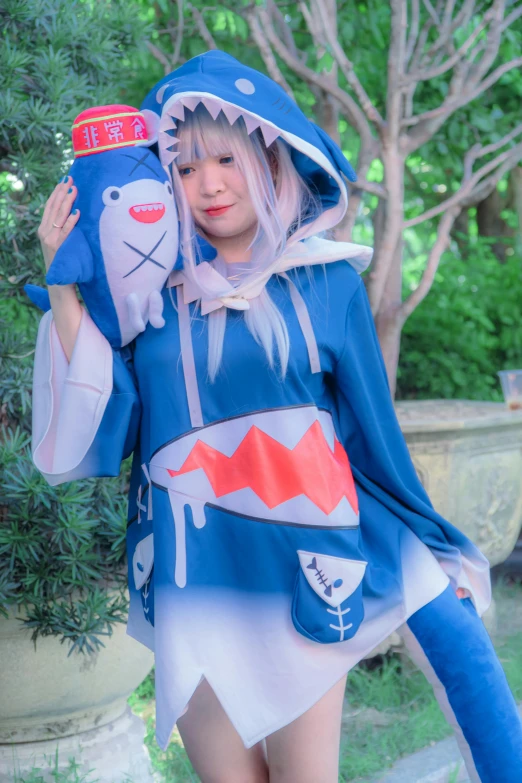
{"points": [[140, 162], [147, 257]]}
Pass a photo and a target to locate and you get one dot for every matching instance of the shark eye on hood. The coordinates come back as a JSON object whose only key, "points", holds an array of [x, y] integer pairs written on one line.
{"points": [[111, 196], [168, 188], [245, 86]]}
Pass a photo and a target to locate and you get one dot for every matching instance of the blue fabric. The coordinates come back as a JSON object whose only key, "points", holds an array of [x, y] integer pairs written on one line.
{"points": [[241, 555], [352, 386], [73, 262], [38, 296], [317, 621], [79, 259], [382, 465], [460, 651]]}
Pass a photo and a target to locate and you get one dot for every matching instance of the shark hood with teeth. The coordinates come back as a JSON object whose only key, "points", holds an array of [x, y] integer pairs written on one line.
{"points": [[222, 83]]}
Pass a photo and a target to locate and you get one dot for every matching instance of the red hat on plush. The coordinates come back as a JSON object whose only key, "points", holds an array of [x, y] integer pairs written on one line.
{"points": [[109, 127]]}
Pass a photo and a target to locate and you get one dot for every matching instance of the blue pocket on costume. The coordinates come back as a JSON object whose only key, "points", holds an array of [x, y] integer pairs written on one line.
{"points": [[327, 604]]}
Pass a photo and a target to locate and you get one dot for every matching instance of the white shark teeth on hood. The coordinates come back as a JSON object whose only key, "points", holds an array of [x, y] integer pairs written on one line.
{"points": [[269, 134], [168, 155], [166, 122], [176, 110], [251, 123], [212, 106], [166, 142], [191, 101], [231, 112]]}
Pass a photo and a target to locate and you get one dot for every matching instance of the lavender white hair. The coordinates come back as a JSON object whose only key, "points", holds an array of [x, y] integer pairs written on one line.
{"points": [[281, 200]]}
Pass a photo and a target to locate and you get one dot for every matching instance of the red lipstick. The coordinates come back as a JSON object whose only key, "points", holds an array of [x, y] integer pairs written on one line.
{"points": [[215, 211]]}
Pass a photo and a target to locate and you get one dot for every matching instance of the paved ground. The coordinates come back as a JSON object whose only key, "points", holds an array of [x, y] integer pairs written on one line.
{"points": [[436, 764]]}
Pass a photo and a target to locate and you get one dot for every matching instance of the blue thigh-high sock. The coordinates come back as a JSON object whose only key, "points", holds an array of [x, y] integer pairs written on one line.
{"points": [[460, 651]]}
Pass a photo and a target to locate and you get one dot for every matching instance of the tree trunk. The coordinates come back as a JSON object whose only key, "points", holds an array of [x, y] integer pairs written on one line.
{"points": [[328, 116], [389, 321], [516, 184], [461, 226], [491, 224], [384, 282]]}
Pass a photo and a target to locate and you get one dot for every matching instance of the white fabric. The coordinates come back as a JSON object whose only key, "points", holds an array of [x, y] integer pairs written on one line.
{"points": [[472, 576], [187, 360], [143, 560], [303, 253], [149, 500], [69, 399], [303, 316]]}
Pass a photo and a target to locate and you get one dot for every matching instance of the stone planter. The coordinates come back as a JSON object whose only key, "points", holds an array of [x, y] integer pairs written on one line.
{"points": [[47, 696], [469, 458]]}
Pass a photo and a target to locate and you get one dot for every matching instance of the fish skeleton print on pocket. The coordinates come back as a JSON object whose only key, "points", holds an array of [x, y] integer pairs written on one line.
{"points": [[321, 609]]}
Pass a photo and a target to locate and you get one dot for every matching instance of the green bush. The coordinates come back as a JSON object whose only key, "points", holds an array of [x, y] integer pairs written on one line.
{"points": [[62, 549], [468, 327]]}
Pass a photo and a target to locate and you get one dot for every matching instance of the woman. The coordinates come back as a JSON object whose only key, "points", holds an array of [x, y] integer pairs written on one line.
{"points": [[277, 528]]}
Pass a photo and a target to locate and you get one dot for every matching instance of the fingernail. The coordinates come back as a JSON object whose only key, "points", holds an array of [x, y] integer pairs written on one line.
{"points": [[70, 190], [75, 211], [64, 179]]}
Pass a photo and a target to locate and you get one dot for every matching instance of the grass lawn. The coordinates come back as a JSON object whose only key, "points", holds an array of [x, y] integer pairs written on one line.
{"points": [[389, 711]]}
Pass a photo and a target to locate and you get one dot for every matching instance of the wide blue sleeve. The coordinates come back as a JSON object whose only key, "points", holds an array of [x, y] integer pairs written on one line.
{"points": [[379, 457], [86, 412]]}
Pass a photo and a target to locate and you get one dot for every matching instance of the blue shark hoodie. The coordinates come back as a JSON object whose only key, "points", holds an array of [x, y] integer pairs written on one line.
{"points": [[277, 530]]}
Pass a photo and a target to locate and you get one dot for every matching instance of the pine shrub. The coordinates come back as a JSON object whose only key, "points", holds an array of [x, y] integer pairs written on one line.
{"points": [[62, 549]]}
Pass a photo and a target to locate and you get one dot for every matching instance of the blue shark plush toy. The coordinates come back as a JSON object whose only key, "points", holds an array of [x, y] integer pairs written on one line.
{"points": [[125, 243]]}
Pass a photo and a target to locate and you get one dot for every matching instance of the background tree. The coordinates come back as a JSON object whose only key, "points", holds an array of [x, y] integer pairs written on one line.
{"points": [[441, 63]]}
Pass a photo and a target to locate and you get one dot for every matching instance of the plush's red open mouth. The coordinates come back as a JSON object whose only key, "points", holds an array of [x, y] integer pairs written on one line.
{"points": [[148, 213]]}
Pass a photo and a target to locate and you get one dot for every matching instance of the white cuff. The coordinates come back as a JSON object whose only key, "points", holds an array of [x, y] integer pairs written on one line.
{"points": [[69, 399]]}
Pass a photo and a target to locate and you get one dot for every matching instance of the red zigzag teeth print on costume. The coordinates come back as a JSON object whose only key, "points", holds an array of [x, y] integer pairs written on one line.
{"points": [[276, 473]]}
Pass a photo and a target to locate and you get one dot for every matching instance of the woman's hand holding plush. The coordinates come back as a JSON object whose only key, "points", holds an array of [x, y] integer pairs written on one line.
{"points": [[57, 223]]}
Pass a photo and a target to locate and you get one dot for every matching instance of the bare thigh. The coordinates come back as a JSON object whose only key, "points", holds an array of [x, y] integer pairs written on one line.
{"points": [[214, 747], [307, 750]]}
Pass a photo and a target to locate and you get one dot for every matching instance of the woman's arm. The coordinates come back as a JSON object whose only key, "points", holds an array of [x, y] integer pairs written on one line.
{"points": [[86, 408], [57, 223]]}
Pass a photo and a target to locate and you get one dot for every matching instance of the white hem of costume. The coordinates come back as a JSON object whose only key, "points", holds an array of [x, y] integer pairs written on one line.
{"points": [[250, 741], [377, 629], [288, 719]]}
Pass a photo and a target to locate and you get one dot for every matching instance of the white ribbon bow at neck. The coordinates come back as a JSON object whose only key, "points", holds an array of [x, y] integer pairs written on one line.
{"points": [[302, 253], [223, 294]]}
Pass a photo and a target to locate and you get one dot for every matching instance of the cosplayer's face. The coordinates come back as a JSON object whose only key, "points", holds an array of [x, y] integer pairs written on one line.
{"points": [[218, 197]]}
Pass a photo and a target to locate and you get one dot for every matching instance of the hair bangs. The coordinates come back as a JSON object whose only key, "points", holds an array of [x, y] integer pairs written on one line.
{"points": [[202, 137]]}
